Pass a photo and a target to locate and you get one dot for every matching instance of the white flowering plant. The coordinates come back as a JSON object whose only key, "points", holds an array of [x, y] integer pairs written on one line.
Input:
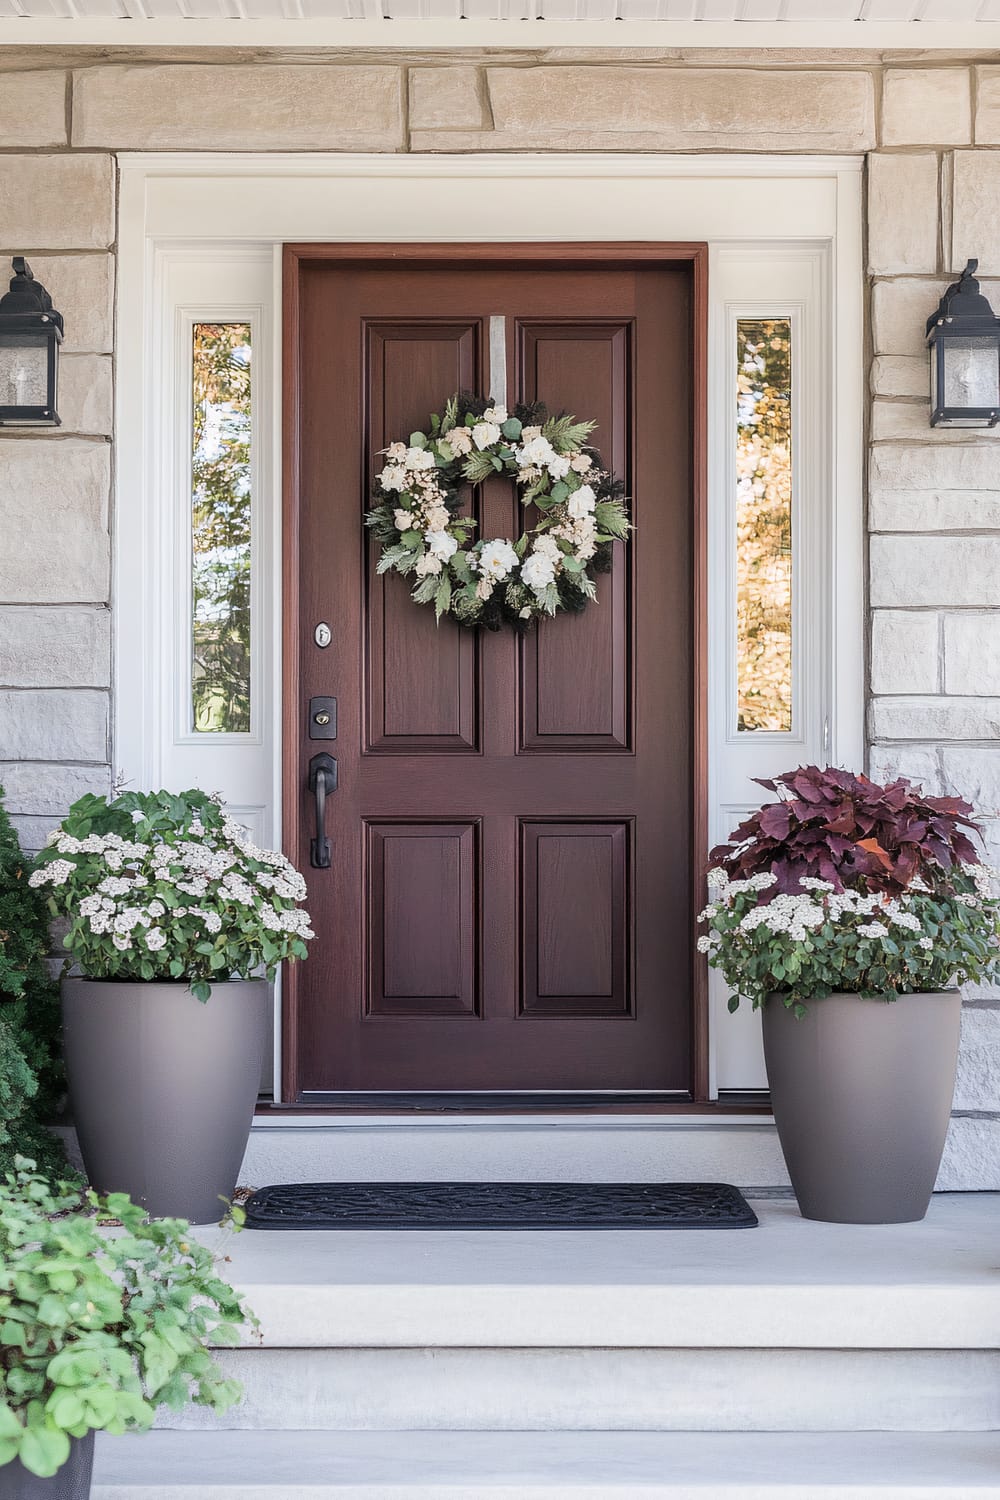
{"points": [[818, 941], [417, 516], [843, 884], [164, 886]]}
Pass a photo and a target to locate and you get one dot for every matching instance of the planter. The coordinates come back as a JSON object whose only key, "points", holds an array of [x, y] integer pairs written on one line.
{"points": [[163, 1088], [862, 1093], [72, 1482]]}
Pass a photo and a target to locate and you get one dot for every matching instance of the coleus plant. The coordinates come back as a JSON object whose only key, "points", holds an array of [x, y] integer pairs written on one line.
{"points": [[843, 828]]}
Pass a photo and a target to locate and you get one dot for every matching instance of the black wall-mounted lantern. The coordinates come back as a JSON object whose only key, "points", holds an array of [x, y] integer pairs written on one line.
{"points": [[30, 334], [964, 340]]}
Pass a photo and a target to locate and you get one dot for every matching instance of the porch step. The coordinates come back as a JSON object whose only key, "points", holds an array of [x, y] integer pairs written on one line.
{"points": [[547, 1466], [795, 1326]]}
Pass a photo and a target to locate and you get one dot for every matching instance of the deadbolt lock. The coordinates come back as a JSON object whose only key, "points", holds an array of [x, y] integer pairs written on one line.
{"points": [[322, 718]]}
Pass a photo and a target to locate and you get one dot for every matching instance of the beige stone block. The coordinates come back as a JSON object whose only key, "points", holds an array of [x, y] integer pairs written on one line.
{"points": [[975, 219], [917, 763], [933, 510], [57, 202], [52, 647], [972, 653], [239, 106], [927, 107], [54, 724], [903, 214], [900, 310], [987, 107], [670, 109], [946, 571], [900, 375], [33, 109], [935, 718], [910, 421], [446, 99], [971, 1161], [973, 772], [86, 398], [82, 288], [904, 652], [43, 790], [977, 1086], [54, 521], [972, 465]]}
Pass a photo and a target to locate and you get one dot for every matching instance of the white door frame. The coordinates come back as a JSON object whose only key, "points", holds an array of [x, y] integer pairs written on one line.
{"points": [[200, 235]]}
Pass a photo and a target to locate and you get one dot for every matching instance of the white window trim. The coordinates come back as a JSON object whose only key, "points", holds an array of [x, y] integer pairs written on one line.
{"points": [[234, 211]]}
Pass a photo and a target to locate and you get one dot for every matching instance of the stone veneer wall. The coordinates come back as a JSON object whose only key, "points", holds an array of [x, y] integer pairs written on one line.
{"points": [[930, 126]]}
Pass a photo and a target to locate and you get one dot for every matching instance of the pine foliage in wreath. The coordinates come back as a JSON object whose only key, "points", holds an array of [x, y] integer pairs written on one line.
{"points": [[417, 516]]}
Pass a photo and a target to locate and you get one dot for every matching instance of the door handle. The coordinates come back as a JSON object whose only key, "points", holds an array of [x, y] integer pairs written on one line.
{"points": [[322, 779]]}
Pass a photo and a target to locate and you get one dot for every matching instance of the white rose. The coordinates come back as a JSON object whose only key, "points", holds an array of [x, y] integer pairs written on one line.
{"points": [[581, 503], [392, 478], [485, 434], [527, 433], [538, 572], [558, 466], [441, 544], [547, 546], [580, 463], [484, 588], [419, 458], [396, 451], [403, 520], [498, 558], [538, 451], [427, 564], [495, 414], [438, 518]]}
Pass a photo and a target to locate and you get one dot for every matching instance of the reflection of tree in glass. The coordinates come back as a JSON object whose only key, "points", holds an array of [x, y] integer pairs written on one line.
{"points": [[764, 524], [220, 519]]}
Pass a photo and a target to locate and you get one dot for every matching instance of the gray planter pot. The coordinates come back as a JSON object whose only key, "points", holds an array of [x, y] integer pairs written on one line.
{"points": [[163, 1088], [72, 1482], [862, 1093]]}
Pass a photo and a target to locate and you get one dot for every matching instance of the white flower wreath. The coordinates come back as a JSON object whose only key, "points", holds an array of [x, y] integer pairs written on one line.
{"points": [[418, 521]]}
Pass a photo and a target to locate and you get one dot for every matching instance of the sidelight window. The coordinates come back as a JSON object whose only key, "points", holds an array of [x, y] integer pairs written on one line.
{"points": [[764, 524], [221, 503]]}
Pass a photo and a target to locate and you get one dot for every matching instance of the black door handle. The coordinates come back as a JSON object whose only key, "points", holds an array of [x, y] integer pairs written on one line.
{"points": [[322, 779]]}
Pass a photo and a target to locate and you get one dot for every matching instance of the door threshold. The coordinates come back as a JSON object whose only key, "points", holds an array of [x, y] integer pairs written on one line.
{"points": [[521, 1102]]}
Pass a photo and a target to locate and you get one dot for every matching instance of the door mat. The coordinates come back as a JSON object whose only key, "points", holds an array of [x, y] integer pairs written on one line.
{"points": [[500, 1205]]}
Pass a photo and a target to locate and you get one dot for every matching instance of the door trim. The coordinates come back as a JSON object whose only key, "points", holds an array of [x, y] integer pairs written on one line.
{"points": [[611, 253]]}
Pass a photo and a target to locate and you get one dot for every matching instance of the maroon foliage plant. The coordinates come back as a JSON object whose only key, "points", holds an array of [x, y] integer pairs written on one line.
{"points": [[832, 825]]}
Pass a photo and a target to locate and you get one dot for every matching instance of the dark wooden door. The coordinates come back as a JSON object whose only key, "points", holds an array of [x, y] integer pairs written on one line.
{"points": [[509, 902]]}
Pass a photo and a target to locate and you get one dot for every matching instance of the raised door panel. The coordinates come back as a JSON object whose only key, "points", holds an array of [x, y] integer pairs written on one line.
{"points": [[422, 917], [586, 367], [575, 926], [422, 682]]}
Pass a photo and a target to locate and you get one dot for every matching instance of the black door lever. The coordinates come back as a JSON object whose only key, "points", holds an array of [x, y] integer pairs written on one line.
{"points": [[322, 779]]}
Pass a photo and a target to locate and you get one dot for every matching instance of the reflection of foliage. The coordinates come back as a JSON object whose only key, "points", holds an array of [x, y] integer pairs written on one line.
{"points": [[221, 492], [764, 524]]}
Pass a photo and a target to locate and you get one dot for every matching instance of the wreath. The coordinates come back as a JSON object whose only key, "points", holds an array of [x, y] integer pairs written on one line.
{"points": [[417, 517]]}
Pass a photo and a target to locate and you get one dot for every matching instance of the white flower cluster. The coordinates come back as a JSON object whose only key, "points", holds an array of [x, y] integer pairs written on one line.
{"points": [[136, 905]]}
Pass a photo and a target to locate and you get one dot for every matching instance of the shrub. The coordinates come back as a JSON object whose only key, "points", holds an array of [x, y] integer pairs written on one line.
{"points": [[30, 1070], [160, 887], [98, 1329]]}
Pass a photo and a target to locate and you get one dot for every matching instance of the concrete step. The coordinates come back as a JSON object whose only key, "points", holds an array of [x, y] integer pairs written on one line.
{"points": [[658, 1390], [547, 1466]]}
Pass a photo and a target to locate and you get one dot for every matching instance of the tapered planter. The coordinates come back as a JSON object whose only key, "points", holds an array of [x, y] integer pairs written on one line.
{"points": [[862, 1093], [72, 1482], [163, 1088]]}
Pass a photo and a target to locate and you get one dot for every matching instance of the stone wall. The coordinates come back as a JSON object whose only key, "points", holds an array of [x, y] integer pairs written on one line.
{"points": [[931, 131]]}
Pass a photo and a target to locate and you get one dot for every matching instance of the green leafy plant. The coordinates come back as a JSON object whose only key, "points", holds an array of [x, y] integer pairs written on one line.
{"points": [[30, 1072], [99, 1327], [158, 886], [902, 904]]}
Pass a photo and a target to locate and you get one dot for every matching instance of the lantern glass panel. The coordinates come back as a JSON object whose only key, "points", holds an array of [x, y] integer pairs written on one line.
{"points": [[971, 373], [24, 370]]}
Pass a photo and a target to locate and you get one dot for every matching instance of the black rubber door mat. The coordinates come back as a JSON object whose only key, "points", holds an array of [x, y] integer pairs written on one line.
{"points": [[500, 1205]]}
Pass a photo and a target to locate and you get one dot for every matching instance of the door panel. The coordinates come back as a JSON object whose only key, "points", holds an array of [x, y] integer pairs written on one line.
{"points": [[509, 901]]}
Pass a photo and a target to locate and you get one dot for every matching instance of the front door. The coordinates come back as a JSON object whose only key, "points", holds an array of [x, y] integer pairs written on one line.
{"points": [[508, 904]]}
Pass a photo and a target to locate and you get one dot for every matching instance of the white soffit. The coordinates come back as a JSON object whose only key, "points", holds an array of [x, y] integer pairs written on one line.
{"points": [[924, 25]]}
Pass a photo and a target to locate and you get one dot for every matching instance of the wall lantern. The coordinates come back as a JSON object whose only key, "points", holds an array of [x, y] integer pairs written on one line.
{"points": [[30, 334], [964, 340]]}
